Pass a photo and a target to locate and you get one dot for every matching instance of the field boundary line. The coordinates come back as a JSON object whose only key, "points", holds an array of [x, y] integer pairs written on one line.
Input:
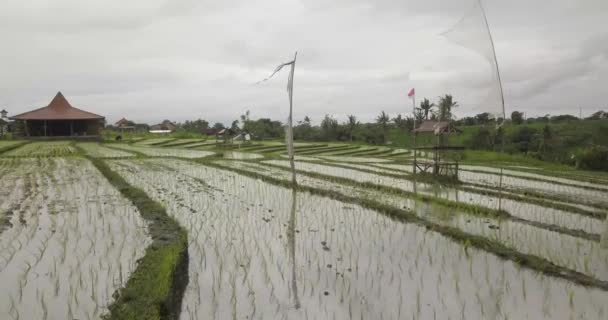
{"points": [[156, 287]]}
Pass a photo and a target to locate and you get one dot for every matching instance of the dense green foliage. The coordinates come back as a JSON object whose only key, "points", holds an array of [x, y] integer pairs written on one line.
{"points": [[594, 158], [560, 138]]}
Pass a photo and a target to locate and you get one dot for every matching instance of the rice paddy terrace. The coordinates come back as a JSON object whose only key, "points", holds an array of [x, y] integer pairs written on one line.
{"points": [[182, 229]]}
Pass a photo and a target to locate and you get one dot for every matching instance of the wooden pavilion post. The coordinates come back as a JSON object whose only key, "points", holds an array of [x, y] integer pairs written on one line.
{"points": [[71, 128], [45, 128]]}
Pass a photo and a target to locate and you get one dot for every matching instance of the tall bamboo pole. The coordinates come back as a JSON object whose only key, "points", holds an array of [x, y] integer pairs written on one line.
{"points": [[290, 123]]}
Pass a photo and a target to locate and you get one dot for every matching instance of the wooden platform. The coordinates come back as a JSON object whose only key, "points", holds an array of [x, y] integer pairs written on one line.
{"points": [[443, 168]]}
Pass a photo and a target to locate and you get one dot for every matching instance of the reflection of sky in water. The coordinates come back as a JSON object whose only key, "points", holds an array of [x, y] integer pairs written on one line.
{"points": [[572, 252]]}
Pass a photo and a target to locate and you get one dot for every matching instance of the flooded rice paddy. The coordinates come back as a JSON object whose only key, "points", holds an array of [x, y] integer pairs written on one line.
{"points": [[67, 242], [351, 262], [359, 238]]}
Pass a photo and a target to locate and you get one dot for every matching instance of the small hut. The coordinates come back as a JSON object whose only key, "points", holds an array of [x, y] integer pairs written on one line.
{"points": [[124, 125], [164, 127], [225, 137], [4, 124], [433, 137], [59, 119]]}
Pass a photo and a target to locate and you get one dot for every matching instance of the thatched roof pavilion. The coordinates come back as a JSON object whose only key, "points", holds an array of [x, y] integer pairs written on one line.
{"points": [[60, 119]]}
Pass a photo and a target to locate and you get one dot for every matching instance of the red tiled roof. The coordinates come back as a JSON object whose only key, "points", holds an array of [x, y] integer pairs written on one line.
{"points": [[58, 109]]}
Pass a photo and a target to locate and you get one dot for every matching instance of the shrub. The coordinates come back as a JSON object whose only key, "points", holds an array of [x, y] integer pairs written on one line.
{"points": [[593, 158], [481, 140]]}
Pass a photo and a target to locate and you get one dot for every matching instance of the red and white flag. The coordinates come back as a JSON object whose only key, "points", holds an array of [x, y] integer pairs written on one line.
{"points": [[412, 93]]}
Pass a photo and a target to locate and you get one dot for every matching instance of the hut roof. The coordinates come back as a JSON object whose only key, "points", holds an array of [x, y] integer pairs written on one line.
{"points": [[226, 131], [121, 122], [58, 109], [435, 127], [165, 125]]}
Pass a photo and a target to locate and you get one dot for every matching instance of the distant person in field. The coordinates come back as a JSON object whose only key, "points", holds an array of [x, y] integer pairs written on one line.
{"points": [[118, 138]]}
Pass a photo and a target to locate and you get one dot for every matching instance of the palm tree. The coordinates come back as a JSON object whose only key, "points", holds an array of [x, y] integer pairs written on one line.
{"points": [[426, 107], [420, 115], [446, 103], [383, 119], [351, 125], [245, 120]]}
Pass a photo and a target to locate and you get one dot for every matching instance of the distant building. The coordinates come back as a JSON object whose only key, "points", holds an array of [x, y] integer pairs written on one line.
{"points": [[436, 127], [209, 131], [225, 136], [4, 123], [125, 125], [164, 127], [58, 119]]}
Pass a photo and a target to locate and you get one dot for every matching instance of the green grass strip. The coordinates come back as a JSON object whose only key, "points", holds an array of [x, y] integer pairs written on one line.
{"points": [[176, 143], [13, 147], [327, 149], [357, 152], [160, 143], [400, 154], [525, 260], [376, 153], [156, 287]]}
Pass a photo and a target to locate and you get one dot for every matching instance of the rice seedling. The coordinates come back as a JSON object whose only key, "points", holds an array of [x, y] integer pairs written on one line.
{"points": [[163, 152], [154, 141], [42, 149], [51, 265], [227, 204], [358, 237], [98, 150]]}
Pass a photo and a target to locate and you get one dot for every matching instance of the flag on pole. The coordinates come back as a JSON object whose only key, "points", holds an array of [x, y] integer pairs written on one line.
{"points": [[276, 70], [289, 129], [412, 93]]}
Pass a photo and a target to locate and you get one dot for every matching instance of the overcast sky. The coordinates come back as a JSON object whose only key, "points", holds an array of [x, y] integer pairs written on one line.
{"points": [[149, 60]]}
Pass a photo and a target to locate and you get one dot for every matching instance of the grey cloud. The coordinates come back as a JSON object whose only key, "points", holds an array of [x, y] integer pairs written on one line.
{"points": [[184, 59]]}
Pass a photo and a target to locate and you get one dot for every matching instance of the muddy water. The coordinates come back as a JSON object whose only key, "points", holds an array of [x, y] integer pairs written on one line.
{"points": [[342, 262], [72, 242]]}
